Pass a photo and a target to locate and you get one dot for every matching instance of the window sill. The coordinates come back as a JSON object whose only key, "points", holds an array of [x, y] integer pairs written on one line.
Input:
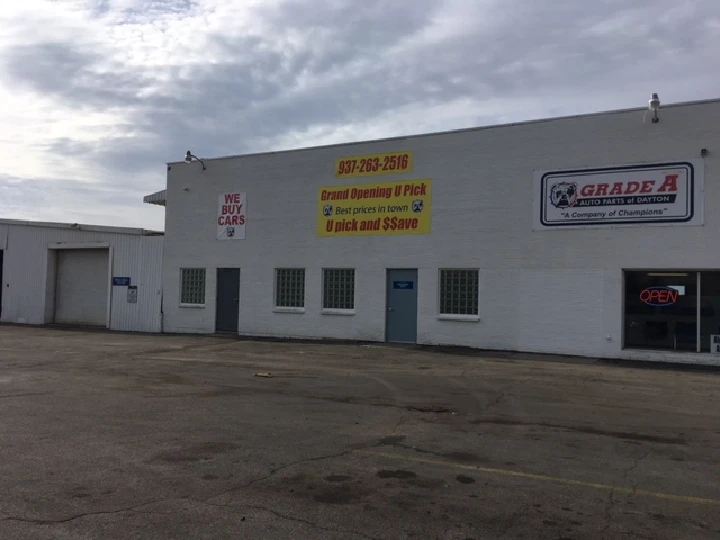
{"points": [[282, 309], [192, 306], [338, 312], [459, 318]]}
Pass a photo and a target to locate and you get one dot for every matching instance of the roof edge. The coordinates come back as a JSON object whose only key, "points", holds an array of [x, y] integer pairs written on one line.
{"points": [[159, 198], [459, 130], [81, 227]]}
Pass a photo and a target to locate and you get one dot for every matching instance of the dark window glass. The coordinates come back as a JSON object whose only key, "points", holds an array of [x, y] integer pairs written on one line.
{"points": [[709, 308], [661, 310]]}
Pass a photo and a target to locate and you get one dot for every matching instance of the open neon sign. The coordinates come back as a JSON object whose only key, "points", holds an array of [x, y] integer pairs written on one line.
{"points": [[659, 296]]}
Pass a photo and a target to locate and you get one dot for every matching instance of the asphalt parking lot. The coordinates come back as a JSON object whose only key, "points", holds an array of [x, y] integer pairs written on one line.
{"points": [[116, 436]]}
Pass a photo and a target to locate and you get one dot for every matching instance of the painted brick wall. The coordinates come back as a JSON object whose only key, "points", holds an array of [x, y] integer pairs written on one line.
{"points": [[547, 291]]}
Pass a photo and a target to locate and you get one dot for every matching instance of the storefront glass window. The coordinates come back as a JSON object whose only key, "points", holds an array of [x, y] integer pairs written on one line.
{"points": [[661, 310], [709, 308]]}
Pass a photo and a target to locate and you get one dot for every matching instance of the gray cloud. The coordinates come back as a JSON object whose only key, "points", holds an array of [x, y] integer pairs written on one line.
{"points": [[40, 199], [337, 65], [65, 71]]}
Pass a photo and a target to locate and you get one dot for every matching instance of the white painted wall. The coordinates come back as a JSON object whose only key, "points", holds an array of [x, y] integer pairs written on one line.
{"points": [[28, 279], [556, 291]]}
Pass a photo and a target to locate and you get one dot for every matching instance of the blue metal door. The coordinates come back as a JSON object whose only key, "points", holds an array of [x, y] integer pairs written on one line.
{"points": [[401, 316]]}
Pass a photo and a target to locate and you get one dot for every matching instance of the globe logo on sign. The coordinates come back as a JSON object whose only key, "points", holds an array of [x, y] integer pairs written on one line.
{"points": [[327, 210]]}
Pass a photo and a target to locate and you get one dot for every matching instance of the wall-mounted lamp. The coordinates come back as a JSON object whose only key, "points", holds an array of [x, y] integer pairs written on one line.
{"points": [[654, 106], [189, 157]]}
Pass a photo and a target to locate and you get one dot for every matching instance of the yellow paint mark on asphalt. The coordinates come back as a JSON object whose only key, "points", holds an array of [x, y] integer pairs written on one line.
{"points": [[184, 359], [543, 478]]}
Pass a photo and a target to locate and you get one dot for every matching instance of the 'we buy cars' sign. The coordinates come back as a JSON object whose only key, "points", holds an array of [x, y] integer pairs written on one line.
{"points": [[660, 193], [231, 216]]}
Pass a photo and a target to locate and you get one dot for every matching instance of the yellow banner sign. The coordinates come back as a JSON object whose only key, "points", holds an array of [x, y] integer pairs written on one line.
{"points": [[382, 209], [374, 165]]}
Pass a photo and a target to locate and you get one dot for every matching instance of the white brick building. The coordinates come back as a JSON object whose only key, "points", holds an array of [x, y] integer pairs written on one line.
{"points": [[518, 278]]}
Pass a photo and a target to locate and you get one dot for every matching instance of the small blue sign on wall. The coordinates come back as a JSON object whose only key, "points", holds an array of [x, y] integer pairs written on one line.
{"points": [[403, 284], [121, 281]]}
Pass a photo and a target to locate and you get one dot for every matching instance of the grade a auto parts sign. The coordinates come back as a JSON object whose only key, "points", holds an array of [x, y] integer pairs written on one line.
{"points": [[662, 193], [231, 216]]}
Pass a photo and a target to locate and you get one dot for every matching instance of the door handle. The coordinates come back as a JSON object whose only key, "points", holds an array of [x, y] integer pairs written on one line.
{"points": [[390, 309]]}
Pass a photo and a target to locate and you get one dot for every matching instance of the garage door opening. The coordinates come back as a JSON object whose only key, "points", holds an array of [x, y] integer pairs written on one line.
{"points": [[82, 287]]}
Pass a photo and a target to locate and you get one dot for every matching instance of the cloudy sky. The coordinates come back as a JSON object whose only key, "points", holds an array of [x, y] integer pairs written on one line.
{"points": [[97, 95]]}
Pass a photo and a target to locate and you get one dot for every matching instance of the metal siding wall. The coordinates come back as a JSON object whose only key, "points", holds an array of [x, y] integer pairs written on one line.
{"points": [[139, 258], [26, 278], [24, 275]]}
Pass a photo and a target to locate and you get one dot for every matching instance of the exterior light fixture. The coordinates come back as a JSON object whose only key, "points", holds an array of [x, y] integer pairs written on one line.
{"points": [[654, 106], [190, 156]]}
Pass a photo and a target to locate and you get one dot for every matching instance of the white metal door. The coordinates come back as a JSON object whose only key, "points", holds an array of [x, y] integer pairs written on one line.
{"points": [[81, 295]]}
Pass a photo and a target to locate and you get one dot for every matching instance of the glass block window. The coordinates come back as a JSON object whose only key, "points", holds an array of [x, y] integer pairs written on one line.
{"points": [[290, 287], [192, 285], [459, 292], [339, 288]]}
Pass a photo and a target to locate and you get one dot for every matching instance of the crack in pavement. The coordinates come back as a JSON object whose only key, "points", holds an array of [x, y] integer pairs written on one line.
{"points": [[85, 514], [632, 467], [608, 509], [26, 395], [292, 518], [635, 464], [611, 502], [627, 435], [135, 507], [274, 472], [495, 401]]}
